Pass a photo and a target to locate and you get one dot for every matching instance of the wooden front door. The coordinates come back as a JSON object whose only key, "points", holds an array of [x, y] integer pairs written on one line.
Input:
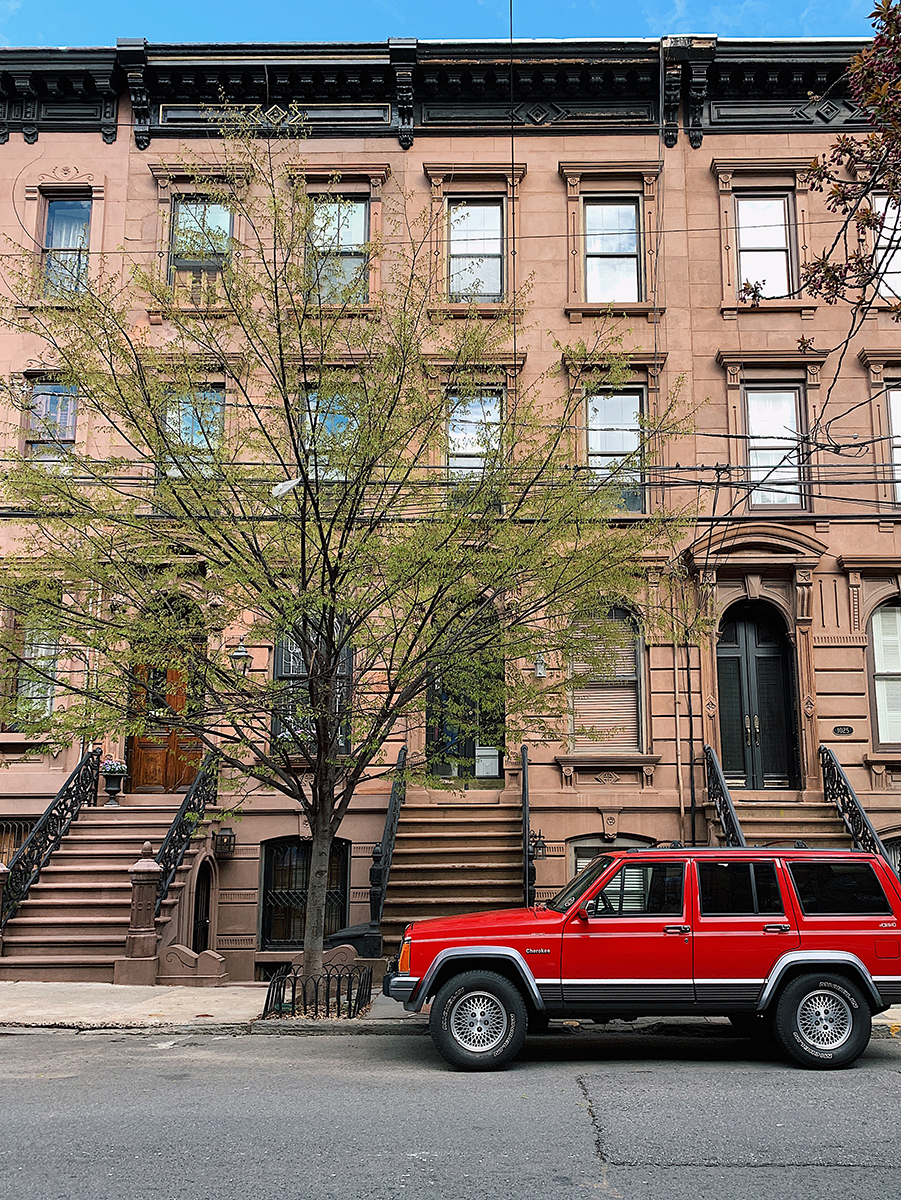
{"points": [[757, 712], [163, 759]]}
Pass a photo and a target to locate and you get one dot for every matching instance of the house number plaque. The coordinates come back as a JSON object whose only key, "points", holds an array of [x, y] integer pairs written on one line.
{"points": [[842, 730]]}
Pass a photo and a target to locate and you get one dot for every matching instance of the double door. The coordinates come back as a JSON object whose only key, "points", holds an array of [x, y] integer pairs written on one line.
{"points": [[756, 709], [164, 758]]}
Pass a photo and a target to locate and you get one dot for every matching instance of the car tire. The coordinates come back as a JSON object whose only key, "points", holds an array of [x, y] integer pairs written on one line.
{"points": [[478, 1021], [822, 1021]]}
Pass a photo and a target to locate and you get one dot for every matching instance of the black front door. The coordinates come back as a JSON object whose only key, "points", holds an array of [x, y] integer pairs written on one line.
{"points": [[202, 893], [757, 726]]}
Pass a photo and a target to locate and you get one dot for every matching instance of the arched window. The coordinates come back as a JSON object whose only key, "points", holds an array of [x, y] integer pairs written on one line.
{"points": [[607, 708], [885, 637]]}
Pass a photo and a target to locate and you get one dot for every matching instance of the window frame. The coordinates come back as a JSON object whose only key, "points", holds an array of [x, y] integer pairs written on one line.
{"points": [[583, 746], [32, 433], [81, 276], [789, 228], [202, 454], [477, 201], [600, 200], [892, 250], [21, 634], [475, 472], [300, 678], [879, 744], [358, 251], [640, 487], [755, 387]]}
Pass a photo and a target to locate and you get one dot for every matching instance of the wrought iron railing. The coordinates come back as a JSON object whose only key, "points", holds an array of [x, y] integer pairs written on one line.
{"points": [[175, 844], [718, 794], [337, 992], [13, 834], [80, 789], [528, 866], [383, 851], [837, 789]]}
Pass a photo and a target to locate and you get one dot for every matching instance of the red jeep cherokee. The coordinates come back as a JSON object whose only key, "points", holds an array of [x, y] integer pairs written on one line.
{"points": [[802, 942]]}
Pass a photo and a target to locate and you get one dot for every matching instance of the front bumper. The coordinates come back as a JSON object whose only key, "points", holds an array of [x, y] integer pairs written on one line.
{"points": [[400, 987]]}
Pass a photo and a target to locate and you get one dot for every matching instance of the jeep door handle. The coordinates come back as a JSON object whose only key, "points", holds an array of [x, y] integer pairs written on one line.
{"points": [[677, 929], [777, 929]]}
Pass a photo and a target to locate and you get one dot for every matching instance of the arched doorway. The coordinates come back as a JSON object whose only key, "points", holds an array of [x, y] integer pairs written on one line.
{"points": [[164, 756], [203, 892], [758, 736]]}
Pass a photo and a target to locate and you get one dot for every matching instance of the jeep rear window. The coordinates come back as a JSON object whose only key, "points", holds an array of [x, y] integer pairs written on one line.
{"points": [[839, 889], [578, 886], [739, 889]]}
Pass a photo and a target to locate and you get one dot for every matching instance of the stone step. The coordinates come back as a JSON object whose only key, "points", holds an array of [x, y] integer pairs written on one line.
{"points": [[25, 946], [62, 968]]}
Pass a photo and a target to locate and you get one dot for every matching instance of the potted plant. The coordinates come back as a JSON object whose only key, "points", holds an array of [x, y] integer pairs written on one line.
{"points": [[113, 771]]}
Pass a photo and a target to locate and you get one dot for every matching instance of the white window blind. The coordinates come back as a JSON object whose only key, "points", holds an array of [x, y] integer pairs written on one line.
{"points": [[606, 709]]}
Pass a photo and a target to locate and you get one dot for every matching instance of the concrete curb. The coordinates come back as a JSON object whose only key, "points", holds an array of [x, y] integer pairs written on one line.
{"points": [[406, 1027]]}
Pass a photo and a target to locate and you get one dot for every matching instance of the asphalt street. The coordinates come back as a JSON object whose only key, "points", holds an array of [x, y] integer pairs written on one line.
{"points": [[95, 1116]]}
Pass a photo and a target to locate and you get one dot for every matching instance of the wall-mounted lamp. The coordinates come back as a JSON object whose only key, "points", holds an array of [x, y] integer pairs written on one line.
{"points": [[540, 667], [241, 658], [224, 843]]}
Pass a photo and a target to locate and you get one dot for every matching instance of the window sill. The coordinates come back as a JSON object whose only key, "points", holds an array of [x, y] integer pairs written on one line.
{"points": [[806, 308], [577, 312], [488, 311]]}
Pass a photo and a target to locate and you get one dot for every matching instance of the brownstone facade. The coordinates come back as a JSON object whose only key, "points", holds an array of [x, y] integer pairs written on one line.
{"points": [[648, 181]]}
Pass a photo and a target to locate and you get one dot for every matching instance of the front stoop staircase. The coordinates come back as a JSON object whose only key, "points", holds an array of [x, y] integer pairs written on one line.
{"points": [[73, 924], [453, 858], [781, 818]]}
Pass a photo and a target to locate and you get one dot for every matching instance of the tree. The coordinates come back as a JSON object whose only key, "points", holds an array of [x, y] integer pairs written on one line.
{"points": [[290, 456], [862, 181]]}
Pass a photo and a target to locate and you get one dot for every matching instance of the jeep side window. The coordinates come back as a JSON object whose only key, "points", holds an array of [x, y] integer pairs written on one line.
{"points": [[643, 890], [839, 889], [739, 889], [578, 886]]}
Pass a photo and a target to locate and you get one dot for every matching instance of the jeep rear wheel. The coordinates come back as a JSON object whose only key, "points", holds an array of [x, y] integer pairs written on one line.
{"points": [[823, 1021], [478, 1021]]}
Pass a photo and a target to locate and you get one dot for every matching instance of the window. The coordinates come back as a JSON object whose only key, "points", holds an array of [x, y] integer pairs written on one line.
{"points": [[774, 466], [839, 889], [66, 245], [739, 889], [642, 890], [194, 425], [339, 264], [475, 256], [886, 641], [763, 225], [200, 234], [606, 709], [293, 721], [614, 435], [286, 880], [473, 433], [325, 437], [51, 421], [888, 250], [612, 251], [34, 675], [893, 400]]}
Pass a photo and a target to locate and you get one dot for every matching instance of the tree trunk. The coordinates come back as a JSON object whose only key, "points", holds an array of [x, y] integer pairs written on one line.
{"points": [[314, 925]]}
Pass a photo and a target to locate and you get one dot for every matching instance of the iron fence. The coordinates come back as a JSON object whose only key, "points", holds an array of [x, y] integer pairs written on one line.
{"points": [[12, 835], [337, 992]]}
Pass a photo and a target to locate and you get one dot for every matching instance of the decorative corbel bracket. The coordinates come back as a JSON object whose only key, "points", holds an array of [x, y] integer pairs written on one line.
{"points": [[403, 60], [133, 57]]}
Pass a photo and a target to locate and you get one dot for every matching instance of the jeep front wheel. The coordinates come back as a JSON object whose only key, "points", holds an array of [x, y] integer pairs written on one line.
{"points": [[823, 1021], [478, 1021]]}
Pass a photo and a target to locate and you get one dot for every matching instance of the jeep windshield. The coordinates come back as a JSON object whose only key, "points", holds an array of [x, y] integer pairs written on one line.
{"points": [[580, 885]]}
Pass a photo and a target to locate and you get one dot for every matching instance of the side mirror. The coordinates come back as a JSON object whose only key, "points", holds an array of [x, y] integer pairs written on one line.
{"points": [[586, 911]]}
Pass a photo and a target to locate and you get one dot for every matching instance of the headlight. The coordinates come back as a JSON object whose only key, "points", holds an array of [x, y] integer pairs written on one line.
{"points": [[403, 960]]}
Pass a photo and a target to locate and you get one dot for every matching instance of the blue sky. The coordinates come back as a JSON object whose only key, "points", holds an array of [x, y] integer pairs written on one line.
{"points": [[100, 22]]}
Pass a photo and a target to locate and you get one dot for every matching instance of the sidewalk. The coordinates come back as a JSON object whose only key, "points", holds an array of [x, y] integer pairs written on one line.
{"points": [[237, 1010]]}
